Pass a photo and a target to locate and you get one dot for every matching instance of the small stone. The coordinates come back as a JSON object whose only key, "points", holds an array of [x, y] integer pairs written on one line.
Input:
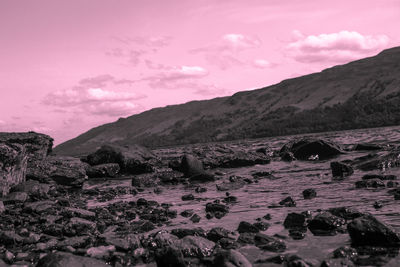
{"points": [[288, 202], [309, 193], [188, 197], [195, 218], [246, 227], [200, 189], [187, 213]]}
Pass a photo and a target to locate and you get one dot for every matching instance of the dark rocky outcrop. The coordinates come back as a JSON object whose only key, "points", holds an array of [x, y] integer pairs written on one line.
{"points": [[13, 163], [368, 231], [305, 148], [133, 159], [37, 145]]}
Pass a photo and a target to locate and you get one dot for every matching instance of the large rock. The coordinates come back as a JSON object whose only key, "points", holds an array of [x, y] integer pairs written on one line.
{"points": [[62, 259], [193, 168], [368, 231], [305, 148], [326, 224], [63, 170], [132, 159], [230, 258], [378, 161], [13, 163], [341, 169], [103, 170], [37, 145]]}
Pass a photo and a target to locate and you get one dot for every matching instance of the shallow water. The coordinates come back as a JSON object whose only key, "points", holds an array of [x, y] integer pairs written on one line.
{"points": [[291, 179]]}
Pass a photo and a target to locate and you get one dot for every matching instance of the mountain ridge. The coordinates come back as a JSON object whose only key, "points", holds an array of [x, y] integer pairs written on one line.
{"points": [[245, 113]]}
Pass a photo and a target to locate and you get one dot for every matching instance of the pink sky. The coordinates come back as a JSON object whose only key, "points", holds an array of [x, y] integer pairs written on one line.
{"points": [[68, 66]]}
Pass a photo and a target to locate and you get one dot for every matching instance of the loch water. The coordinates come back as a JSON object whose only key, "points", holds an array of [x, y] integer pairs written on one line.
{"points": [[291, 178]]}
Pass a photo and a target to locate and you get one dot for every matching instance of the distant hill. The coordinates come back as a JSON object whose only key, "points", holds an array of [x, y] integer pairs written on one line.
{"points": [[363, 93]]}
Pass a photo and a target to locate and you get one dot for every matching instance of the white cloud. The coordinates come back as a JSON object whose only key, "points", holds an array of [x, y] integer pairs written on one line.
{"points": [[262, 63], [335, 47]]}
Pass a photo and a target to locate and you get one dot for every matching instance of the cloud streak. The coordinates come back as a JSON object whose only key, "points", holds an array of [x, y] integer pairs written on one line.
{"points": [[337, 47], [92, 96]]}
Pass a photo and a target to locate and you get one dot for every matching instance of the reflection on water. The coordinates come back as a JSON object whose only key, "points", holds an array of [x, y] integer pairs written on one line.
{"points": [[292, 179]]}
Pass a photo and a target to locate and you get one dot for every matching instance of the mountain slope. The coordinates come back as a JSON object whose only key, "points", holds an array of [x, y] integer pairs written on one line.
{"points": [[363, 93]]}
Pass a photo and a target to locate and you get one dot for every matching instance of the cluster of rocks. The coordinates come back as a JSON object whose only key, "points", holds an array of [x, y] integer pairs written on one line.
{"points": [[45, 219]]}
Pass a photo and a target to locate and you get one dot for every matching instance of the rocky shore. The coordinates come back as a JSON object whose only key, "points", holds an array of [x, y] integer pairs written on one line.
{"points": [[46, 219]]}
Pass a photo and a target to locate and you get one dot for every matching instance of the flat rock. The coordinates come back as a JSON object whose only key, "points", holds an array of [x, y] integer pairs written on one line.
{"points": [[133, 159]]}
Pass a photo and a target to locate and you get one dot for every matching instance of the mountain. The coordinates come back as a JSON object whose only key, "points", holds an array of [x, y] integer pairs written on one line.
{"points": [[362, 93]]}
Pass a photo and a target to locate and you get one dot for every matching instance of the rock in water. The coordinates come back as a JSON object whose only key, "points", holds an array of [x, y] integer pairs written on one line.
{"points": [[13, 163], [304, 148], [368, 231], [378, 161], [62, 259], [38, 146], [132, 159], [340, 169]]}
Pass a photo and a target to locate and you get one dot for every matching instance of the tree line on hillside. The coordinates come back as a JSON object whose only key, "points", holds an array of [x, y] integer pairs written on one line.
{"points": [[363, 110]]}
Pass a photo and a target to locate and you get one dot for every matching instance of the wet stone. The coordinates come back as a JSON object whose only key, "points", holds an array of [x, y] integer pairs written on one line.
{"points": [[341, 169], [195, 218], [187, 213], [269, 243], [246, 227], [309, 193], [288, 202], [188, 197], [326, 224], [295, 221]]}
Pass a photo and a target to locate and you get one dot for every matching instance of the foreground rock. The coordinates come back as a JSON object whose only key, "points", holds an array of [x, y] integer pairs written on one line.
{"points": [[13, 163], [132, 159], [305, 148], [37, 146], [63, 170], [368, 231], [62, 259], [231, 257]]}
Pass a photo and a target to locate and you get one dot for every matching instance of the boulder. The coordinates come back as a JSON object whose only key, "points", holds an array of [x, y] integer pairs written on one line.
{"points": [[345, 212], [303, 149], [269, 243], [217, 233], [133, 159], [37, 145], [193, 168], [246, 227], [295, 221], [169, 257], [230, 258], [368, 231], [378, 161], [63, 170], [103, 170], [13, 164], [325, 224], [182, 232], [340, 169], [288, 202], [62, 259]]}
